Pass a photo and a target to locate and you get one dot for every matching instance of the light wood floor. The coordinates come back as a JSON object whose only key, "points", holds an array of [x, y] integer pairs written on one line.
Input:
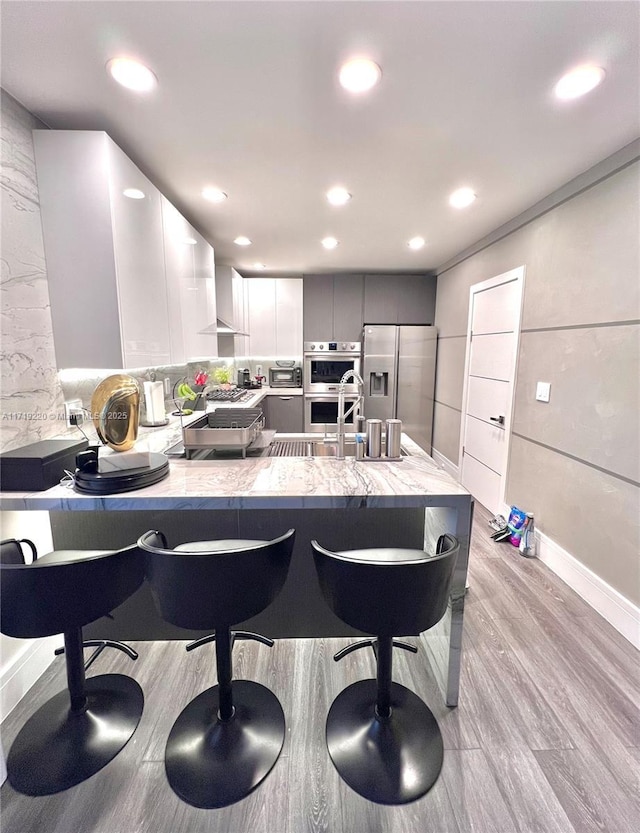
{"points": [[546, 738]]}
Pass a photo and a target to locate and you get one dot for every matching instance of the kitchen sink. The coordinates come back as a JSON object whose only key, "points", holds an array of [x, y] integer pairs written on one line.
{"points": [[312, 448]]}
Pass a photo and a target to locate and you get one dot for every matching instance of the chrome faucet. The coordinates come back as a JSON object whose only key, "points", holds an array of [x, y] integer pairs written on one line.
{"points": [[342, 416]]}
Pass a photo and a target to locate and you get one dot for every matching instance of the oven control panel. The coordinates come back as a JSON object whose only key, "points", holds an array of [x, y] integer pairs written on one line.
{"points": [[332, 346]]}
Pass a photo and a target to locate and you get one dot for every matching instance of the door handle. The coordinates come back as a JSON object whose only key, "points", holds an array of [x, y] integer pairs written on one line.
{"points": [[498, 419]]}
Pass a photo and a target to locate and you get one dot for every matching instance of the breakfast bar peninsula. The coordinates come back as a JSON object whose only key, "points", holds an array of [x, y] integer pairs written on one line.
{"points": [[343, 503]]}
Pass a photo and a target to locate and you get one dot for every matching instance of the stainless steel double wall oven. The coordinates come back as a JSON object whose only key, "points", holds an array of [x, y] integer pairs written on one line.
{"points": [[325, 363]]}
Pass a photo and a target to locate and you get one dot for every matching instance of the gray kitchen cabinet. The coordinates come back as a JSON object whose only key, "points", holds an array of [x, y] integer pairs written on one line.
{"points": [[105, 254], [317, 305], [348, 296], [381, 299], [399, 299], [332, 307], [417, 299], [284, 413]]}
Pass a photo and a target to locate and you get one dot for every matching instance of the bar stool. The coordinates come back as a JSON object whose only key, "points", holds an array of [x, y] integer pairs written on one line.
{"points": [[226, 740], [78, 731], [382, 738]]}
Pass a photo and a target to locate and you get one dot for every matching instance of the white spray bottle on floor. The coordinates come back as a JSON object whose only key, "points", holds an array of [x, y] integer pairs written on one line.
{"points": [[528, 540]]}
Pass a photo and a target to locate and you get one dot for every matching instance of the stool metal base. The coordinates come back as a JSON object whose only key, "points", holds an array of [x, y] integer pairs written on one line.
{"points": [[210, 763], [390, 761], [57, 749]]}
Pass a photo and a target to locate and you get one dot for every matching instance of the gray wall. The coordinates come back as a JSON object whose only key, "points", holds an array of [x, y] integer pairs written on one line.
{"points": [[574, 462]]}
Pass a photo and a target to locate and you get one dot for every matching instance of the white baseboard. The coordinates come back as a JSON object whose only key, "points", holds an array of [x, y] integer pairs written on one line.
{"points": [[603, 598], [446, 464], [621, 613], [23, 671]]}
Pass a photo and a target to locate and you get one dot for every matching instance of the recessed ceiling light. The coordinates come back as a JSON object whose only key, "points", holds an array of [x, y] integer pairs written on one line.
{"points": [[259, 266], [213, 194], [462, 198], [359, 75], [416, 243], [190, 241], [329, 242], [242, 241], [133, 193], [579, 81], [132, 74], [338, 195]]}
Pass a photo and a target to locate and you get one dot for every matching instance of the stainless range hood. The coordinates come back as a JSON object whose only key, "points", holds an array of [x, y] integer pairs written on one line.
{"points": [[221, 328], [226, 329]]}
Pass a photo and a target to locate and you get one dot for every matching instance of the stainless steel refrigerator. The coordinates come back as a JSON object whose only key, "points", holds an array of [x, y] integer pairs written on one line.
{"points": [[399, 368]]}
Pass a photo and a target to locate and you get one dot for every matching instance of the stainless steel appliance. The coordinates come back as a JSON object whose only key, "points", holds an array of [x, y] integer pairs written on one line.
{"points": [[244, 377], [326, 362], [321, 412], [399, 377], [285, 377]]}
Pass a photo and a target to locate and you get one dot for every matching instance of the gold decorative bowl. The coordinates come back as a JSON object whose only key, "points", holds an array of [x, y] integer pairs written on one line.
{"points": [[115, 410]]}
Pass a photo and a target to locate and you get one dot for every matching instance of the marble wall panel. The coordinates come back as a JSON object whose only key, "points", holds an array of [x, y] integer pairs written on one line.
{"points": [[31, 395]]}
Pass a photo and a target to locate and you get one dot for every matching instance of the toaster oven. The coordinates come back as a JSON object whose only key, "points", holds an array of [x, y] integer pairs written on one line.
{"points": [[285, 377]]}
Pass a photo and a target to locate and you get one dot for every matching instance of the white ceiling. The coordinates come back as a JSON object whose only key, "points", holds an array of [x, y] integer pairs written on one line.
{"points": [[248, 100]]}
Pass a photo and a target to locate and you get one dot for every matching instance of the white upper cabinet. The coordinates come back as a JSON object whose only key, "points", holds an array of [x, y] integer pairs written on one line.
{"points": [[127, 289], [288, 317], [274, 316], [239, 314], [190, 278], [199, 304], [104, 254], [261, 302]]}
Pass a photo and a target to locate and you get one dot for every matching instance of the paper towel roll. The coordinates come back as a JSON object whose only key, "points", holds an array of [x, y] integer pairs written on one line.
{"points": [[154, 403]]}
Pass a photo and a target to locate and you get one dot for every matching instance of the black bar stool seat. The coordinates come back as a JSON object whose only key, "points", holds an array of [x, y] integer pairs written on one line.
{"points": [[382, 738], [228, 738], [78, 731]]}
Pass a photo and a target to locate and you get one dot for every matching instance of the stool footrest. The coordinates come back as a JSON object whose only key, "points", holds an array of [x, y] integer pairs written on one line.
{"points": [[371, 643], [355, 646], [205, 640], [100, 645]]}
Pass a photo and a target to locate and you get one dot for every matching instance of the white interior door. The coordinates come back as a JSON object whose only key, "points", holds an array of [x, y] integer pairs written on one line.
{"points": [[492, 346]]}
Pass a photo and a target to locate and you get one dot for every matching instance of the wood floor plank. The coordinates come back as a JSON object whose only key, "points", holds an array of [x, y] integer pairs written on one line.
{"points": [[475, 796], [588, 792], [521, 782], [315, 787], [572, 681], [521, 702], [413, 671]]}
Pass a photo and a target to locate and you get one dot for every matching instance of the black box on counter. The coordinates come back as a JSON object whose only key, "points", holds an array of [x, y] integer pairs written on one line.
{"points": [[39, 466]]}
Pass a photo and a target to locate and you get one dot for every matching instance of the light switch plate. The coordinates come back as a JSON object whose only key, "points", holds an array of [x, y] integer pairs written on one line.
{"points": [[543, 391]]}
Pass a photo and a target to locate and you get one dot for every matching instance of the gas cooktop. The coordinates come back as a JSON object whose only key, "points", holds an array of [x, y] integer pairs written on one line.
{"points": [[236, 395]]}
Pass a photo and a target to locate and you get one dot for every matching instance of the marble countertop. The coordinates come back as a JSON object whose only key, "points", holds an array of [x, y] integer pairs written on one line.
{"points": [[264, 482]]}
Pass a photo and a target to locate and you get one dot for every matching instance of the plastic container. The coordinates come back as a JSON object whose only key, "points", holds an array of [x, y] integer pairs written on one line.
{"points": [[360, 444], [528, 540]]}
